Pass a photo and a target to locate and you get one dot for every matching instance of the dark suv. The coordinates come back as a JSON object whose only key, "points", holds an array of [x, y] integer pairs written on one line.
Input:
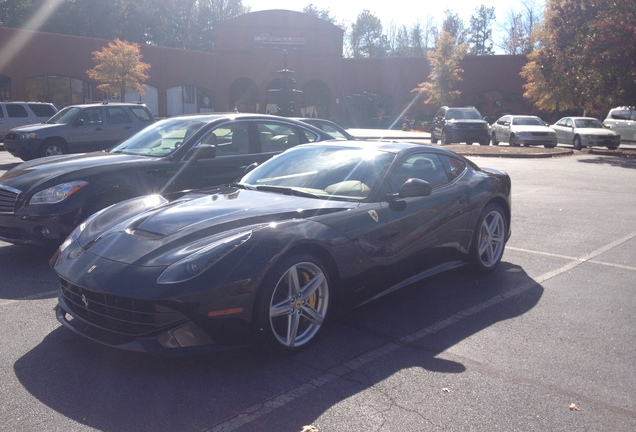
{"points": [[456, 125], [78, 129]]}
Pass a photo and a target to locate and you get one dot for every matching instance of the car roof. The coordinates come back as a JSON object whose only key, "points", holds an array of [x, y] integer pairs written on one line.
{"points": [[380, 145], [95, 104]]}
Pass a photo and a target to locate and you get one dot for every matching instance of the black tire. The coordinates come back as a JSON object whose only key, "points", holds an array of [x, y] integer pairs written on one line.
{"points": [[489, 239], [444, 138], [577, 143], [493, 139], [549, 145], [612, 147], [53, 147], [433, 138], [292, 304]]}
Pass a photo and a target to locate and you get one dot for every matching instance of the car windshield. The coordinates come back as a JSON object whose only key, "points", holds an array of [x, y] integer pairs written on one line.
{"points": [[344, 173], [527, 121], [160, 139], [64, 116], [463, 114], [588, 123]]}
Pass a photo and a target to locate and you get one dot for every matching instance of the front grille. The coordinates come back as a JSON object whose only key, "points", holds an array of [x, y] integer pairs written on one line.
{"points": [[118, 314], [8, 197], [541, 134]]}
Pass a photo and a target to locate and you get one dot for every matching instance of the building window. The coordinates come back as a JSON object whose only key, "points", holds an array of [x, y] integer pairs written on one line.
{"points": [[60, 90]]}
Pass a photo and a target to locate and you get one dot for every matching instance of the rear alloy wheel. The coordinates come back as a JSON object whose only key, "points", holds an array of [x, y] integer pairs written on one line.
{"points": [[293, 304], [489, 239], [577, 143], [53, 148]]}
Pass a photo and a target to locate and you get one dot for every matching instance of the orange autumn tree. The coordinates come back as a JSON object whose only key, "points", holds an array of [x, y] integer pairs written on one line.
{"points": [[118, 67]]}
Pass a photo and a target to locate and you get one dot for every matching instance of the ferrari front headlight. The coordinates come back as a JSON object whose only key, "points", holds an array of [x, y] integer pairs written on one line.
{"points": [[201, 260]]}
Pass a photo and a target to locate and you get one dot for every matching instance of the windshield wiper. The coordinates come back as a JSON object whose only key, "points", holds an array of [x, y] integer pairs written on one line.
{"points": [[287, 191], [242, 186]]}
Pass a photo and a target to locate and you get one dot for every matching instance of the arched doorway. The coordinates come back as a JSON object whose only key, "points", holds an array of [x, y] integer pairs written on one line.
{"points": [[315, 100]]}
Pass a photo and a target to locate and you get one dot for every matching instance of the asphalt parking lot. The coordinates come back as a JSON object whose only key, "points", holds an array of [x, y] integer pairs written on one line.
{"points": [[546, 343]]}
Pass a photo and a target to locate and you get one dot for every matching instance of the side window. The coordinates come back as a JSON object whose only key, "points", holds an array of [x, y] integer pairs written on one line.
{"points": [[425, 166], [141, 113], [277, 137], [91, 116], [42, 110], [117, 115], [454, 167], [15, 110], [231, 139], [569, 123]]}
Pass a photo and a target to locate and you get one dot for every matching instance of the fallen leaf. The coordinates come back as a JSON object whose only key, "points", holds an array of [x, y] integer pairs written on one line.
{"points": [[574, 407]]}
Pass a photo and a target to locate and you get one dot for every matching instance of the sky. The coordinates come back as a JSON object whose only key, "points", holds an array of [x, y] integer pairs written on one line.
{"points": [[397, 12]]}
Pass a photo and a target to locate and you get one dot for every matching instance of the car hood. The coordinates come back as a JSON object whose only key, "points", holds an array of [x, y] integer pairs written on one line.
{"points": [[161, 232], [57, 169], [36, 127], [596, 131]]}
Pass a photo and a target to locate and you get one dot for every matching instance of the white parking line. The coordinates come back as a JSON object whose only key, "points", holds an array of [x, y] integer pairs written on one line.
{"points": [[257, 411]]}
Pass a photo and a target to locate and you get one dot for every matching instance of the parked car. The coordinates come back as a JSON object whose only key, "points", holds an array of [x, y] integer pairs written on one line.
{"points": [[42, 200], [14, 114], [269, 258], [623, 121], [78, 129], [585, 132], [333, 129], [524, 130], [459, 124]]}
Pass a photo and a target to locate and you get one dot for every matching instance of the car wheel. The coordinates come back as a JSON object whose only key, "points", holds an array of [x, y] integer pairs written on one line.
{"points": [[292, 304], [52, 148], [433, 138], [612, 147], [444, 138], [549, 145], [493, 139], [512, 141], [577, 143], [489, 239]]}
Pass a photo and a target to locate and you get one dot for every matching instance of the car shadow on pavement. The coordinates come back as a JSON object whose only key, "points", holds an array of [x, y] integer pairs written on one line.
{"points": [[112, 390], [617, 161], [26, 272]]}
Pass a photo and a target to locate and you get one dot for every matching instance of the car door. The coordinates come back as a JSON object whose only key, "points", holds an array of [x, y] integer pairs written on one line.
{"points": [[560, 129], [88, 131], [426, 230], [119, 125]]}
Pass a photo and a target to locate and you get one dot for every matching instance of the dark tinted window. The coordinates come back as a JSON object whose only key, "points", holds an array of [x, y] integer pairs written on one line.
{"points": [[142, 113], [16, 110], [454, 167], [117, 115], [42, 110]]}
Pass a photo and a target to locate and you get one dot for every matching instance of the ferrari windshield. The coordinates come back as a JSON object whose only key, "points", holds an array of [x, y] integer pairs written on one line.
{"points": [[351, 173], [161, 138]]}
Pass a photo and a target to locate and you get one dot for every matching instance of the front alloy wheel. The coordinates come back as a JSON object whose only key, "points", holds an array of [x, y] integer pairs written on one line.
{"points": [[489, 239], [293, 304]]}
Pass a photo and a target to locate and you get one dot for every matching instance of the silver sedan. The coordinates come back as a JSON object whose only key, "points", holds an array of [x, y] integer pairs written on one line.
{"points": [[585, 132], [524, 130]]}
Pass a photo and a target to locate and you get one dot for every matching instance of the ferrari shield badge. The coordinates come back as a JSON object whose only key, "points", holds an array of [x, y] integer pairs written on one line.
{"points": [[373, 215]]}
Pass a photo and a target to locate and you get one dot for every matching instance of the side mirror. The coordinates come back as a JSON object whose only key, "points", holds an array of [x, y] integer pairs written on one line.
{"points": [[78, 122], [413, 187], [250, 167], [203, 151]]}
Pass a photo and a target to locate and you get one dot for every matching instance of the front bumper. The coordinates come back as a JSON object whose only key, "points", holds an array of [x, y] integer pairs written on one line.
{"points": [[41, 230], [23, 149], [468, 135], [593, 141]]}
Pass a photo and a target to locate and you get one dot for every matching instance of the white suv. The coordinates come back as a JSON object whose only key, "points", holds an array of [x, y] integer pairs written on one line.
{"points": [[14, 114], [623, 121]]}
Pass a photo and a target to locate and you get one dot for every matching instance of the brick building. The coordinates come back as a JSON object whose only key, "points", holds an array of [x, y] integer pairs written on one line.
{"points": [[255, 54]]}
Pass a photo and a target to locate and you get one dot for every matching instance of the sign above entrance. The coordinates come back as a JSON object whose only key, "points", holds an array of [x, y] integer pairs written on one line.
{"points": [[265, 40]]}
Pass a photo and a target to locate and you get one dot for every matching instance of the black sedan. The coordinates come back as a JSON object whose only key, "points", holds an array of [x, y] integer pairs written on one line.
{"points": [[41, 201], [267, 259]]}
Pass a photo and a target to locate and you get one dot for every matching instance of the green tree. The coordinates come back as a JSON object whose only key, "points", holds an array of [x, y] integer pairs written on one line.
{"points": [[324, 14], [441, 87], [455, 26], [586, 58], [480, 40], [118, 67], [366, 38]]}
